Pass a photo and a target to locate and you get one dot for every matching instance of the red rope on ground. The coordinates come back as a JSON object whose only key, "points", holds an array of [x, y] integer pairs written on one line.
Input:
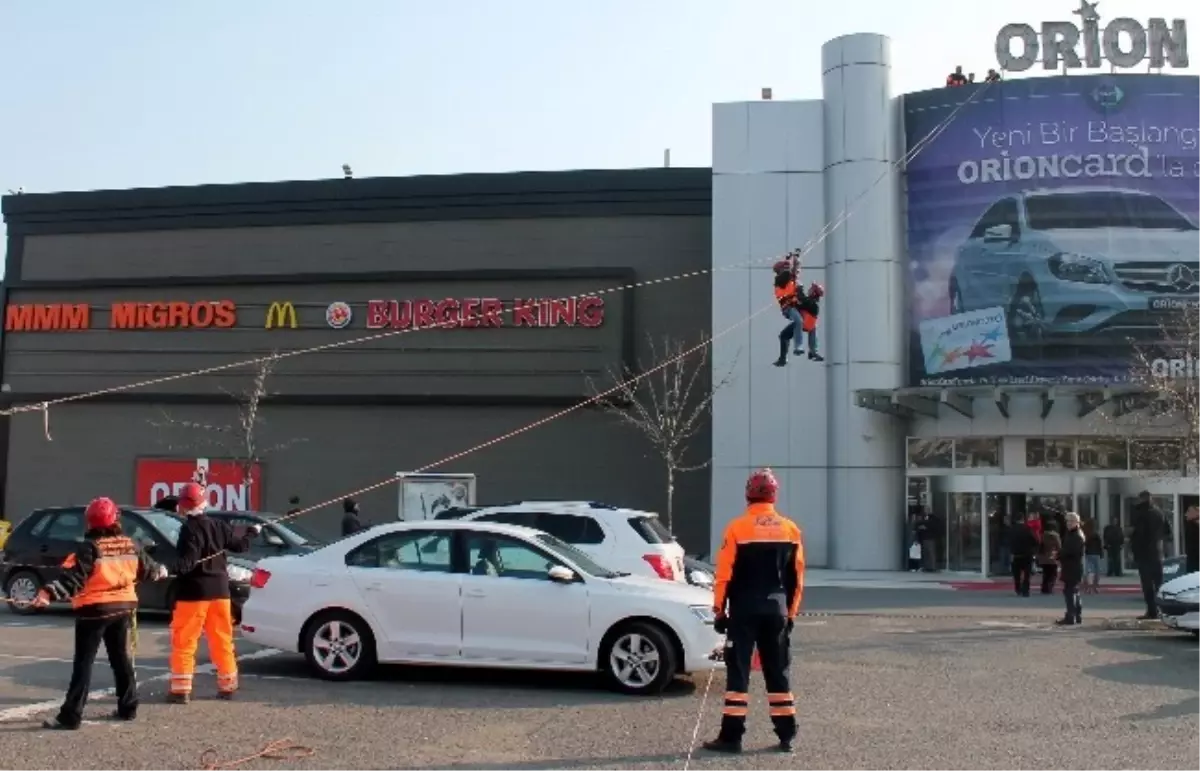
{"points": [[280, 749]]}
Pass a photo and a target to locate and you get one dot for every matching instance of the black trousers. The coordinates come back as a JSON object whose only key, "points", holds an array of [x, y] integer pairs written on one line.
{"points": [[1150, 572], [116, 633], [1049, 576], [768, 632], [1022, 567], [1114, 561], [1073, 602]]}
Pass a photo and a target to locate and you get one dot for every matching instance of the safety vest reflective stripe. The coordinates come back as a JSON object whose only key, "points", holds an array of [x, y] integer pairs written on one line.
{"points": [[181, 684], [780, 698], [228, 682], [782, 711], [736, 704]]}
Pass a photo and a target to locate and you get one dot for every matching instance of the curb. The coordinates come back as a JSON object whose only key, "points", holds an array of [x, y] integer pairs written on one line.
{"points": [[1006, 586]]}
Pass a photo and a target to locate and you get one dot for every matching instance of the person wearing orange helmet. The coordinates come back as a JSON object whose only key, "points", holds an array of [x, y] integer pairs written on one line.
{"points": [[756, 597], [202, 603], [809, 305], [100, 578], [787, 294]]}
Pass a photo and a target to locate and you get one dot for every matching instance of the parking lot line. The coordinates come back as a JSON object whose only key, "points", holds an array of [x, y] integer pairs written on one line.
{"points": [[28, 711]]}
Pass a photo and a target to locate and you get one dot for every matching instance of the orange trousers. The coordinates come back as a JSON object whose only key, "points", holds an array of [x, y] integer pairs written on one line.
{"points": [[215, 619]]}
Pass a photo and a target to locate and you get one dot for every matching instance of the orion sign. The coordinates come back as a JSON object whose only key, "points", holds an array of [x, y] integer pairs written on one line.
{"points": [[1122, 42]]}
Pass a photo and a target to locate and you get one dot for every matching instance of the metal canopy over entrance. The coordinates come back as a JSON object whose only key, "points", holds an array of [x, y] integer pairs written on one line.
{"points": [[929, 401]]}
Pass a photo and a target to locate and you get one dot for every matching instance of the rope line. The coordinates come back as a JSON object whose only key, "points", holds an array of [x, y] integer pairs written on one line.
{"points": [[280, 749], [819, 237]]}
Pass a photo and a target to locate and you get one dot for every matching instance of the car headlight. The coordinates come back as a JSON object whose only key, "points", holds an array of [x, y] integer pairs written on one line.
{"points": [[1191, 595], [239, 574], [1076, 267], [704, 613]]}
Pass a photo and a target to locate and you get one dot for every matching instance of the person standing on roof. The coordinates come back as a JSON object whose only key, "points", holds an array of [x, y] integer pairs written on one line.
{"points": [[756, 597], [100, 578], [202, 603]]}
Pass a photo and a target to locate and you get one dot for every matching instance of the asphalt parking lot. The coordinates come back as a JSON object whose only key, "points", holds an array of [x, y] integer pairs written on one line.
{"points": [[884, 679]]}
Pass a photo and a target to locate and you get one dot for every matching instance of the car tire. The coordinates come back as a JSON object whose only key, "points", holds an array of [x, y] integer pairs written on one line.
{"points": [[654, 664], [1026, 316], [24, 582], [347, 661]]}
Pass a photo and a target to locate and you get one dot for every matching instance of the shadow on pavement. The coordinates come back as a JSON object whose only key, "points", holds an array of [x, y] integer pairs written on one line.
{"points": [[455, 687], [1170, 654]]}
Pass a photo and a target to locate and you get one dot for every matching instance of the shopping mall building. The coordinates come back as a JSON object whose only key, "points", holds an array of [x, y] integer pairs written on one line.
{"points": [[981, 298]]}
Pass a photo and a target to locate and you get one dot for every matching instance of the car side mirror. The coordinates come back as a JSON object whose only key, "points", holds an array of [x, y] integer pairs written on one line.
{"points": [[561, 575], [149, 547], [998, 234]]}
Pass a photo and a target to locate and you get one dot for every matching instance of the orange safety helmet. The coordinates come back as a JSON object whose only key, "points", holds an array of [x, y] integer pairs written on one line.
{"points": [[762, 486], [101, 513], [816, 290]]}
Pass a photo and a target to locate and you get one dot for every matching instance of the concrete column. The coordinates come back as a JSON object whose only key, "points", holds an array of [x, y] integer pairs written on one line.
{"points": [[864, 310]]}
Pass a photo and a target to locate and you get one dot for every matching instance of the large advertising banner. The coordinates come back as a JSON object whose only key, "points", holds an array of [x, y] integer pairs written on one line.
{"points": [[1052, 226]]}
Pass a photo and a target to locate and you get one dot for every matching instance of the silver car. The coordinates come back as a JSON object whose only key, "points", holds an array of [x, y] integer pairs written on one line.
{"points": [[1079, 261]]}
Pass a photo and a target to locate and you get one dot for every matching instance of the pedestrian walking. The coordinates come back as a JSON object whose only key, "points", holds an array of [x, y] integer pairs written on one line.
{"points": [[1048, 556], [100, 578], [1114, 542], [756, 597], [1146, 543], [202, 604], [1024, 545], [1070, 560], [1092, 554]]}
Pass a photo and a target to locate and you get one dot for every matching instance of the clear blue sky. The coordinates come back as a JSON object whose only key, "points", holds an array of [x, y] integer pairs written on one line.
{"points": [[136, 93]]}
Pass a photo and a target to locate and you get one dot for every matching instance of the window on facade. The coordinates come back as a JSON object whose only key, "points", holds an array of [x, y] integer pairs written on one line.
{"points": [[1050, 453], [1103, 455], [930, 453], [977, 452], [1156, 455]]}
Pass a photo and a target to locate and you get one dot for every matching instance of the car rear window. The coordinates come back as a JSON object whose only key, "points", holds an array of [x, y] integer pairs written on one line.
{"points": [[651, 530]]}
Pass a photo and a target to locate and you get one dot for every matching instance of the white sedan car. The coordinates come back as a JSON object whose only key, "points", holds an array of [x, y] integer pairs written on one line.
{"points": [[1179, 603], [477, 594]]}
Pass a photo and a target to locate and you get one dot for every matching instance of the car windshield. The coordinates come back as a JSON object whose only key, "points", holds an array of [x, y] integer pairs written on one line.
{"points": [[296, 534], [581, 560], [167, 524], [1103, 209]]}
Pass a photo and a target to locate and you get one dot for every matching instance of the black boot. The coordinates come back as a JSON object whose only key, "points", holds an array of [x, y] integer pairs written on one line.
{"points": [[815, 356], [723, 745], [1066, 621], [782, 360], [54, 724]]}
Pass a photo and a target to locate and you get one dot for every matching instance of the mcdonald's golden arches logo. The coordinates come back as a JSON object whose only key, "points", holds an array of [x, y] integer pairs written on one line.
{"points": [[281, 314]]}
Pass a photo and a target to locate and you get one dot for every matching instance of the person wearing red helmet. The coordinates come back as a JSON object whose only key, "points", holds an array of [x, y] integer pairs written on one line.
{"points": [[100, 579], [809, 305], [787, 294], [756, 597], [202, 604]]}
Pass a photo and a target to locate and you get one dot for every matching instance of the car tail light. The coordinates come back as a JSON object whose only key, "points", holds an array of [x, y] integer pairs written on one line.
{"points": [[260, 578], [661, 565]]}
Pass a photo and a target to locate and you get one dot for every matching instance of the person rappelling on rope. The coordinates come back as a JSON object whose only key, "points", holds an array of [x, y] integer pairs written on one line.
{"points": [[787, 294], [202, 603], [810, 307], [101, 579]]}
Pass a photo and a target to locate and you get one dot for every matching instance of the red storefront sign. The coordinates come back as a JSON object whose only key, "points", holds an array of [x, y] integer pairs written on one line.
{"points": [[470, 312], [157, 478]]}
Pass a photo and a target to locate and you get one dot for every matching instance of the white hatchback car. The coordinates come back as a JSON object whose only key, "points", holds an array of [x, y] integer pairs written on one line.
{"points": [[1179, 603], [477, 594], [628, 540]]}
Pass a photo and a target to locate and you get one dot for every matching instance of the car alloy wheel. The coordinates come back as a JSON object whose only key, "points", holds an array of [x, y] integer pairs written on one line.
{"points": [[1026, 316], [22, 590], [337, 646], [640, 659]]}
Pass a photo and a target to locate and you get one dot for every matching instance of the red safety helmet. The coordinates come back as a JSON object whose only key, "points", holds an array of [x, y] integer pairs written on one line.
{"points": [[816, 290], [190, 498], [782, 266], [100, 514], [762, 486]]}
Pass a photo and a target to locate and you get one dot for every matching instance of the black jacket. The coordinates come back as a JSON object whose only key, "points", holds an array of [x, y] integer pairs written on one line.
{"points": [[1149, 529], [1114, 536], [351, 524], [1022, 542], [1070, 556], [203, 542]]}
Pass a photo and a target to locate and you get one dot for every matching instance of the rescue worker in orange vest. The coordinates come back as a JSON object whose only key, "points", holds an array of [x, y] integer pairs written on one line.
{"points": [[787, 294], [756, 597], [100, 579], [202, 603]]}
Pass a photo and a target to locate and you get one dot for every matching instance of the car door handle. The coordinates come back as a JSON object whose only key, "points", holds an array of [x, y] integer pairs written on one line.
{"points": [[476, 593]]}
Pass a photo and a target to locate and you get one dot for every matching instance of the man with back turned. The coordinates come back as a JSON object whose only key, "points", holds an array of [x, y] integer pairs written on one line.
{"points": [[1146, 541], [756, 596]]}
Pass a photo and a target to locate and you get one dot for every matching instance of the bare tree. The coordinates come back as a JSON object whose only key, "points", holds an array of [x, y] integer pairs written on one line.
{"points": [[669, 406], [239, 440], [1159, 412]]}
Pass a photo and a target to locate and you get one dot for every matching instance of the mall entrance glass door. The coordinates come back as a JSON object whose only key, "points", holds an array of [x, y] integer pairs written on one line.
{"points": [[964, 532]]}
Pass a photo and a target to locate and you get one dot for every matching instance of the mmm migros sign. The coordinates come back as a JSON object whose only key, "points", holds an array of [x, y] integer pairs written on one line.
{"points": [[1122, 42]]}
